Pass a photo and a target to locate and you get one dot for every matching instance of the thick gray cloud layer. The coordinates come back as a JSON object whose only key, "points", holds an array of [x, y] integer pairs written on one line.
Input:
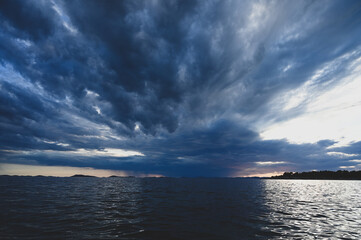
{"points": [[186, 83]]}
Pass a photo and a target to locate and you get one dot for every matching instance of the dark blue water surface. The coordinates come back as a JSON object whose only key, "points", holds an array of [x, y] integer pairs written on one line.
{"points": [[178, 208]]}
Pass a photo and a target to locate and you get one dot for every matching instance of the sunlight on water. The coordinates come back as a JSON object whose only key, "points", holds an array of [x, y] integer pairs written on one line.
{"points": [[314, 208], [178, 208]]}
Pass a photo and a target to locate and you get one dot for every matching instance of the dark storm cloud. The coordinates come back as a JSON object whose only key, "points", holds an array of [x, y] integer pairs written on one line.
{"points": [[30, 20], [353, 148], [226, 148], [184, 82], [222, 149]]}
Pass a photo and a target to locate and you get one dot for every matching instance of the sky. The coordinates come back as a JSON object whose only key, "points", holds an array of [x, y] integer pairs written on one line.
{"points": [[179, 88]]}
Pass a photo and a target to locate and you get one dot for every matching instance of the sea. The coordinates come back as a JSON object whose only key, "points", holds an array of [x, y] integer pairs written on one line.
{"points": [[178, 208]]}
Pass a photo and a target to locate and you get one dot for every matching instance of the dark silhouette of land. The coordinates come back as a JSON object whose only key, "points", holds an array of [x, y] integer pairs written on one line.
{"points": [[81, 175], [329, 175], [114, 176], [326, 175]]}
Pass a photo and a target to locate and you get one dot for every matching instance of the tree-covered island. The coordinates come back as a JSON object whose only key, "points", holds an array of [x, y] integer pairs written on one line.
{"points": [[330, 175]]}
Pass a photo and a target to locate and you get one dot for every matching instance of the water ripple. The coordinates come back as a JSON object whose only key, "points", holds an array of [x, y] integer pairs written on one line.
{"points": [[171, 208]]}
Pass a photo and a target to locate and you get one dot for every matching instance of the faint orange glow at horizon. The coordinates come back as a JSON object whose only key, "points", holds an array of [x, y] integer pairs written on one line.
{"points": [[63, 171], [270, 174]]}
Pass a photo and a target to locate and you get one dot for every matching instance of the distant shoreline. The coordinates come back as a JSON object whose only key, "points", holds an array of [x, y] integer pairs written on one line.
{"points": [[74, 176], [321, 175], [90, 176], [312, 175]]}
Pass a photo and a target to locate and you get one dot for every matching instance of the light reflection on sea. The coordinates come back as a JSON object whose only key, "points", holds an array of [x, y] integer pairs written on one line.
{"points": [[309, 209], [178, 208]]}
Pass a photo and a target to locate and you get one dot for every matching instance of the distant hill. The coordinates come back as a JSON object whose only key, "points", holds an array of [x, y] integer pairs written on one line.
{"points": [[81, 175], [330, 175], [114, 176]]}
